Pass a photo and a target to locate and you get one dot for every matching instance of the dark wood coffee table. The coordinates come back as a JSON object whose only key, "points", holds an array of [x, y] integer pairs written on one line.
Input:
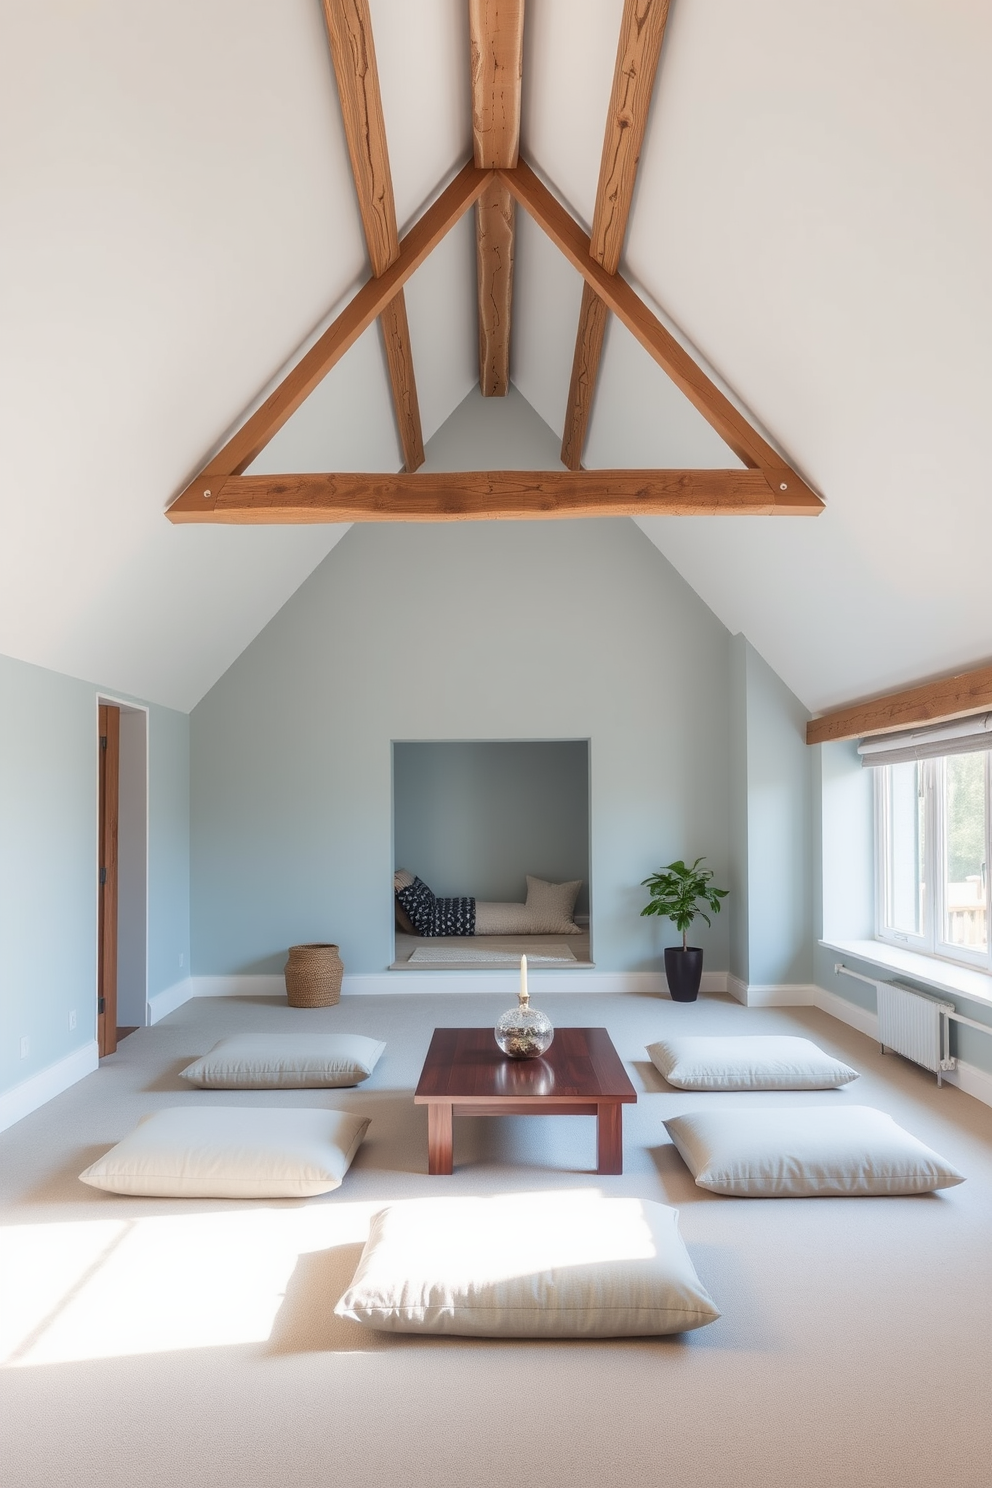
{"points": [[581, 1075]]}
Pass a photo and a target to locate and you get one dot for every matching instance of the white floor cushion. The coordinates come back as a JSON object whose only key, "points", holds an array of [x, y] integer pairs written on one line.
{"points": [[232, 1152], [749, 1062], [808, 1151], [285, 1061], [547, 1266]]}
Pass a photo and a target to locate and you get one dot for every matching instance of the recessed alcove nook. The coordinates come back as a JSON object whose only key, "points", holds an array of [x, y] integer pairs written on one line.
{"points": [[475, 817]]}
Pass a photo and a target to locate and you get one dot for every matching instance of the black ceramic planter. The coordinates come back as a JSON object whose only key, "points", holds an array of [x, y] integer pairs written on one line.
{"points": [[684, 970]]}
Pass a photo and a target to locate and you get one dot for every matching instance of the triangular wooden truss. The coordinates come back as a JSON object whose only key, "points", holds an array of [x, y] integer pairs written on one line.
{"points": [[496, 180]]}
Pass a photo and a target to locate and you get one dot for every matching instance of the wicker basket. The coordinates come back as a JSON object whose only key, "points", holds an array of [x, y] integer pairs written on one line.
{"points": [[313, 976]]}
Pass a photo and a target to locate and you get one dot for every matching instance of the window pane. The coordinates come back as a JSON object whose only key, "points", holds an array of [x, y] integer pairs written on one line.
{"points": [[965, 867], [904, 815]]}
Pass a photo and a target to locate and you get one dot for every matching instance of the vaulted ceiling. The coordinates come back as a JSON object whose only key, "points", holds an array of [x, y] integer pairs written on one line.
{"points": [[812, 215]]}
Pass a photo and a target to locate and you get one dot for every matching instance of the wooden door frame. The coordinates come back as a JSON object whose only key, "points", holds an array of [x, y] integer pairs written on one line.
{"points": [[108, 764], [123, 705]]}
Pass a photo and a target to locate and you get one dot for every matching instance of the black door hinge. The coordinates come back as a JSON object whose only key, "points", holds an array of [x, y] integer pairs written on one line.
{"points": [[103, 876], [103, 741], [101, 1004]]}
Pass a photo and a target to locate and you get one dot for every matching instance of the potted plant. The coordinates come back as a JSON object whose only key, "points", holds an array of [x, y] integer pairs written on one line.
{"points": [[676, 892]]}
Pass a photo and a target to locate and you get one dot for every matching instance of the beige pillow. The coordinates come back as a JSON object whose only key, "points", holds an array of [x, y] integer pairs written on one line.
{"points": [[550, 906], [778, 1152], [529, 1266], [231, 1152], [402, 879], [748, 1062], [281, 1061]]}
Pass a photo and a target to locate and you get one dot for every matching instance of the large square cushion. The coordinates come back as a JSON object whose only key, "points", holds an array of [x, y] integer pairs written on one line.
{"points": [[550, 906], [232, 1152], [544, 1266], [806, 1152], [254, 1061], [748, 1062]]}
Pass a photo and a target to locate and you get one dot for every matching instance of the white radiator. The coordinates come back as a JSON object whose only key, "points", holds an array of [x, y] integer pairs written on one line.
{"points": [[913, 1024]]}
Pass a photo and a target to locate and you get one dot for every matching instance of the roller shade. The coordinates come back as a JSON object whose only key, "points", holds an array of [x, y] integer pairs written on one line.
{"points": [[963, 736]]}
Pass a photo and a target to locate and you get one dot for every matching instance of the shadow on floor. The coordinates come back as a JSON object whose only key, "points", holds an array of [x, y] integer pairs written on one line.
{"points": [[305, 1323], [653, 1082]]}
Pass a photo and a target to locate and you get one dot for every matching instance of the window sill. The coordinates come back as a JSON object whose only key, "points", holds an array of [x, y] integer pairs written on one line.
{"points": [[944, 976]]}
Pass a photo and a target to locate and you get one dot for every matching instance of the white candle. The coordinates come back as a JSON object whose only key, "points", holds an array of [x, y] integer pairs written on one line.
{"points": [[523, 978]]}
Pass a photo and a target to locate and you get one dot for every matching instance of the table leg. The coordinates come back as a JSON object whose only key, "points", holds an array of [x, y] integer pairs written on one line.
{"points": [[609, 1137], [439, 1138]]}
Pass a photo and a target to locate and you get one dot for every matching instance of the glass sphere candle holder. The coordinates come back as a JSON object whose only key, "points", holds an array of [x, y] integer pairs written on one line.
{"points": [[523, 1032]]}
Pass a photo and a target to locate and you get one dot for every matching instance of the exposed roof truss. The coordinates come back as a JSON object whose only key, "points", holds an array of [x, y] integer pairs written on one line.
{"points": [[496, 181]]}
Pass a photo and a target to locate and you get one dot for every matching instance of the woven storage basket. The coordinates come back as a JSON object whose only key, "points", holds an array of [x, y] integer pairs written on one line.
{"points": [[313, 976]]}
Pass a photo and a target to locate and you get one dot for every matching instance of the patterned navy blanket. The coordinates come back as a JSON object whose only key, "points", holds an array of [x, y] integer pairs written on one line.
{"points": [[432, 916]]}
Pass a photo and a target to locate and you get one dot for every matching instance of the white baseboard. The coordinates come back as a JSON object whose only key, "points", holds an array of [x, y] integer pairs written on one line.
{"points": [[163, 1003], [967, 1077], [847, 1012], [781, 994], [972, 1080], [383, 983], [47, 1083]]}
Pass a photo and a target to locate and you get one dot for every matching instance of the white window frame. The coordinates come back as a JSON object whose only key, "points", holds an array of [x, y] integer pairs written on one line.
{"points": [[930, 942]]}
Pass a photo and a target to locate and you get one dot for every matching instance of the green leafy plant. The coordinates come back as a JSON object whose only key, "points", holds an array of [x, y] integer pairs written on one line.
{"points": [[676, 891]]}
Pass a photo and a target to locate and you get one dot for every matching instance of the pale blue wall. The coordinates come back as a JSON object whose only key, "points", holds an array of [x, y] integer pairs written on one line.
{"points": [[48, 852], [48, 819], [736, 907], [168, 848], [847, 845], [779, 830], [846, 837], [459, 631], [476, 818], [771, 817]]}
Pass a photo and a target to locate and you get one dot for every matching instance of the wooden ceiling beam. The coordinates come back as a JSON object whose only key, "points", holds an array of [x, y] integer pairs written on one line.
{"points": [[496, 33], [618, 296], [349, 31], [494, 243], [488, 496], [934, 702], [368, 304], [642, 31]]}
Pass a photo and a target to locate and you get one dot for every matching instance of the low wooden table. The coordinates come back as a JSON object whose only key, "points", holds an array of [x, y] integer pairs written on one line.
{"points": [[581, 1075]]}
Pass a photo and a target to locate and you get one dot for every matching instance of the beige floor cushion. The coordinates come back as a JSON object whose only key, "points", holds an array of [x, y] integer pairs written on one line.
{"points": [[748, 1062], [232, 1152], [263, 1061], [533, 1266], [806, 1152]]}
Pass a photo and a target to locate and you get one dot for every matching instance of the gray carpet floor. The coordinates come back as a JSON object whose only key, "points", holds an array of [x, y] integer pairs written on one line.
{"points": [[162, 1344]]}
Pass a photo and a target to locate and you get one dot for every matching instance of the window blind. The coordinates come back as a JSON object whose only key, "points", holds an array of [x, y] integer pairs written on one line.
{"points": [[962, 736]]}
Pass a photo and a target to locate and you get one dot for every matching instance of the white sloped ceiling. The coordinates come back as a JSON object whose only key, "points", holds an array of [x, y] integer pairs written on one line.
{"points": [[180, 217], [813, 213]]}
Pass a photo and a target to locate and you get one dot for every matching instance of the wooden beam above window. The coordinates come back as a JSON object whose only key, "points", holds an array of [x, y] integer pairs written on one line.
{"points": [[487, 495], [933, 702]]}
